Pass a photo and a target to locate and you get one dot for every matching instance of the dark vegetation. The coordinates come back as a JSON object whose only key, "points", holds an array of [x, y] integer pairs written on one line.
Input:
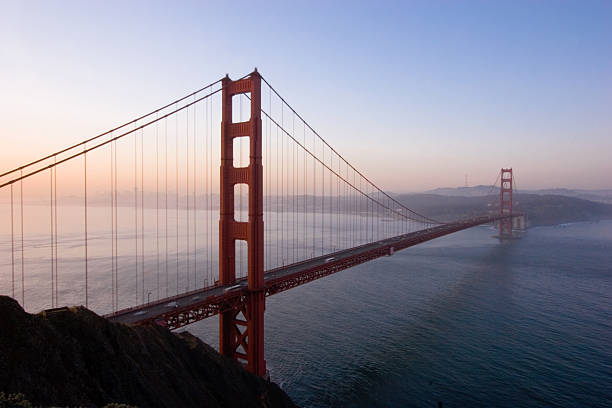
{"points": [[73, 357], [19, 400], [540, 209]]}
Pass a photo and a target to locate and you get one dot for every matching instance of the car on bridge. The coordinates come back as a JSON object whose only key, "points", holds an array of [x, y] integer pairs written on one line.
{"points": [[237, 286], [141, 312]]}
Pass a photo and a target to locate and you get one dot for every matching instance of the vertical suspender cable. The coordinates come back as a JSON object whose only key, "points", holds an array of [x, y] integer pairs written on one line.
{"points": [[371, 212], [112, 208], [287, 206], [177, 202], [157, 200], [195, 213], [378, 224], [142, 214], [166, 199], [136, 211], [209, 271], [365, 200], [305, 201], [376, 218], [278, 243], [187, 193], [285, 167], [365, 219], [323, 201], [296, 193], [272, 236], [205, 188], [349, 204], [207, 226], [12, 249], [51, 229], [282, 175], [116, 232], [264, 141], [346, 214], [294, 178], [360, 197], [367, 209], [349, 189], [338, 207], [269, 173], [314, 198], [211, 223], [357, 212], [289, 234], [55, 225], [22, 253], [86, 255], [331, 202], [210, 201], [355, 209]]}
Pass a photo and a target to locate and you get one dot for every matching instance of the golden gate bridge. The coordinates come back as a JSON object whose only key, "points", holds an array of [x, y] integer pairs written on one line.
{"points": [[171, 218]]}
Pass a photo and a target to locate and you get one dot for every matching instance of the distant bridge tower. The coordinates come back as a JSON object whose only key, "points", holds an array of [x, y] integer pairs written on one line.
{"points": [[241, 330], [505, 205]]}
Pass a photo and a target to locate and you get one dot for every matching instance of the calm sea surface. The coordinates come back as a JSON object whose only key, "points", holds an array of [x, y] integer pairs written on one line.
{"points": [[462, 319]]}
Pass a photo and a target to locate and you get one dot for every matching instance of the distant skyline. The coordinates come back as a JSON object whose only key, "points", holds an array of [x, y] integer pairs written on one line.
{"points": [[415, 94]]}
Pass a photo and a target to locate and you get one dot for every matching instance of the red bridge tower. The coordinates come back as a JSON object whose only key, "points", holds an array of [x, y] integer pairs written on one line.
{"points": [[505, 205], [241, 330]]}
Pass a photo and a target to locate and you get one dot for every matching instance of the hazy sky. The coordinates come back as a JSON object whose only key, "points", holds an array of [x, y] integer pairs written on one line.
{"points": [[415, 94]]}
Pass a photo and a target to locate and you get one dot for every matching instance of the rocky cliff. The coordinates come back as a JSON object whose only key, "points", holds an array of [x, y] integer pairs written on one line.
{"points": [[73, 357]]}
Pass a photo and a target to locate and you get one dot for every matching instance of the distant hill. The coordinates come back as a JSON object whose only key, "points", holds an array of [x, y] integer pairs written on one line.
{"points": [[475, 191], [540, 209], [600, 196]]}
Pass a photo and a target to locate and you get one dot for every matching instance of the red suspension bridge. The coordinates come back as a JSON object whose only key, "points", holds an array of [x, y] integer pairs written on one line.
{"points": [[139, 224]]}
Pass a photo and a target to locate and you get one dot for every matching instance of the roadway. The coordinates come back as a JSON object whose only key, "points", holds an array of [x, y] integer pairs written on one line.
{"points": [[211, 300]]}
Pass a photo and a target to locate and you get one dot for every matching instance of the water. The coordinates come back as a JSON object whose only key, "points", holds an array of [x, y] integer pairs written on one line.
{"points": [[462, 320]]}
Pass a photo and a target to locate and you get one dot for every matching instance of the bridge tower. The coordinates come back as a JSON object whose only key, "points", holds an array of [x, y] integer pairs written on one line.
{"points": [[505, 204], [241, 330]]}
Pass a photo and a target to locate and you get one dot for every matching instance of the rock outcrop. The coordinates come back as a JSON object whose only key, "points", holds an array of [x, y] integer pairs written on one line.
{"points": [[73, 357]]}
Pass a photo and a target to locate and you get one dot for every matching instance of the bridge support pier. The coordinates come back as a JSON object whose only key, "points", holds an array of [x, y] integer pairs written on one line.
{"points": [[518, 223], [241, 330]]}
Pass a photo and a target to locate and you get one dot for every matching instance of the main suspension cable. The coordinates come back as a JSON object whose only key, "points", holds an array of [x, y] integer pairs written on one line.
{"points": [[316, 159], [106, 141], [338, 154], [107, 132]]}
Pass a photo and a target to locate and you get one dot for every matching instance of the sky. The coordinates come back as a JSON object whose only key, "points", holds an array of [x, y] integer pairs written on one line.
{"points": [[415, 94]]}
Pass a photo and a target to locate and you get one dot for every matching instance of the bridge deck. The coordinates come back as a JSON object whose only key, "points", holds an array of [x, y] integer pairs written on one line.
{"points": [[186, 308]]}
